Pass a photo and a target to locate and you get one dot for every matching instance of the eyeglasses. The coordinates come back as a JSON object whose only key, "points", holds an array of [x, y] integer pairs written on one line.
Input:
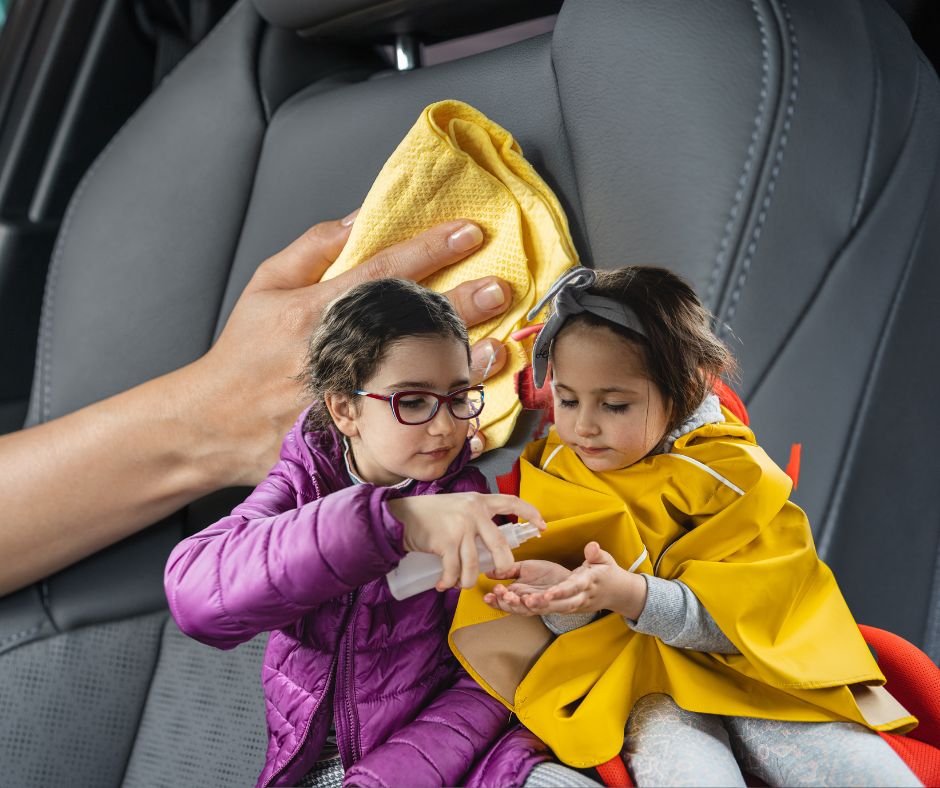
{"points": [[419, 407]]}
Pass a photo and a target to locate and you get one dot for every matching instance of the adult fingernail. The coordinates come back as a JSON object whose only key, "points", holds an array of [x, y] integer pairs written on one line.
{"points": [[489, 297], [466, 238], [476, 445], [483, 354], [346, 221]]}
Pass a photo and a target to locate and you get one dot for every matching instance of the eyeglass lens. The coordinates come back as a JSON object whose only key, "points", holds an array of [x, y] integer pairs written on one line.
{"points": [[416, 408]]}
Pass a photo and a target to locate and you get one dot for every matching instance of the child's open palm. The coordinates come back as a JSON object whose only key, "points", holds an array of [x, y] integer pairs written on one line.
{"points": [[530, 577], [600, 583]]}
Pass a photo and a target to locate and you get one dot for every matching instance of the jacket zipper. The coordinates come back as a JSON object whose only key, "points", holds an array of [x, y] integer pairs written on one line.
{"points": [[351, 597], [300, 747], [349, 746]]}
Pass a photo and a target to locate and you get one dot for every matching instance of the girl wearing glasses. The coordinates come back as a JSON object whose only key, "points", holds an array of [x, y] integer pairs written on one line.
{"points": [[354, 680]]}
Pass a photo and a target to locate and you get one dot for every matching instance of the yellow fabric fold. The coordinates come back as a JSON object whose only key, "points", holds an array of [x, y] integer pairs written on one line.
{"points": [[456, 163], [713, 513]]}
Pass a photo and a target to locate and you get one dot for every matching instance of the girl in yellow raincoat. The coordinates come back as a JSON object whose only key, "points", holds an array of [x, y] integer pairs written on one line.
{"points": [[675, 609]]}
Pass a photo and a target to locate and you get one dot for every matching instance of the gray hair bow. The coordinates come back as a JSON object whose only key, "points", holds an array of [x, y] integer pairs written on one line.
{"points": [[571, 298]]}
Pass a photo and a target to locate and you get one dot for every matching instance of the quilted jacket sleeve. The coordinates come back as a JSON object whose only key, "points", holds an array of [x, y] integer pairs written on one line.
{"points": [[440, 746], [270, 562]]}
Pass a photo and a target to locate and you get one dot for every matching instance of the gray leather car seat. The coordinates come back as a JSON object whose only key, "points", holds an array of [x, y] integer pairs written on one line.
{"points": [[781, 154]]}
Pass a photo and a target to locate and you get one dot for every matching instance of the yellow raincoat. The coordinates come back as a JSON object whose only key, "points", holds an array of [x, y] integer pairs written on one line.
{"points": [[713, 513]]}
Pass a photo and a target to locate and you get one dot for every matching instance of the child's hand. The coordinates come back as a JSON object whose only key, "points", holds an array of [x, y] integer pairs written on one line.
{"points": [[531, 577], [598, 584], [447, 525]]}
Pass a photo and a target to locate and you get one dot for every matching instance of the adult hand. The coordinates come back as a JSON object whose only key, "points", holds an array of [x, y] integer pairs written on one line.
{"points": [[530, 577], [448, 525], [136, 457], [260, 352]]}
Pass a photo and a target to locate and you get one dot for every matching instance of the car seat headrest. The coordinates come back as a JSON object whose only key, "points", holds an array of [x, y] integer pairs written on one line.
{"points": [[381, 21]]}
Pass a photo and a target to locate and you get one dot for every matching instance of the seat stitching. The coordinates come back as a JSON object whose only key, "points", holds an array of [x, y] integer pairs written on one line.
{"points": [[774, 173], [868, 164], [759, 116], [21, 635], [838, 257]]}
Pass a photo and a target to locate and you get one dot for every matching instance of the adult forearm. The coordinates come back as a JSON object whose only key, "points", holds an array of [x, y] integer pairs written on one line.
{"points": [[81, 482]]}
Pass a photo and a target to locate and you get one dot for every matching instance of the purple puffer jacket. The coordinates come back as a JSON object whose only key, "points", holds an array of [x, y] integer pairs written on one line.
{"points": [[305, 557]]}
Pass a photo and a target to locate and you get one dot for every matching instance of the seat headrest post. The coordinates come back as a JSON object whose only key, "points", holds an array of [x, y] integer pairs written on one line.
{"points": [[407, 52]]}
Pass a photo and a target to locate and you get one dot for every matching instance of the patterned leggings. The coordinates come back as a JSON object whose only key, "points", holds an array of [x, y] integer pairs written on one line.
{"points": [[666, 745]]}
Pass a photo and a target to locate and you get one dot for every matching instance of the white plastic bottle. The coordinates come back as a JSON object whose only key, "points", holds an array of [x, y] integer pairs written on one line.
{"points": [[418, 572]]}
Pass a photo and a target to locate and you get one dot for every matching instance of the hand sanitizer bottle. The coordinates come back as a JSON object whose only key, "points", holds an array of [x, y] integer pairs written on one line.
{"points": [[418, 572]]}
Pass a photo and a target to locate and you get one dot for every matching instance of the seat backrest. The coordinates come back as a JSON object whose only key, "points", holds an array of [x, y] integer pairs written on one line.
{"points": [[780, 154]]}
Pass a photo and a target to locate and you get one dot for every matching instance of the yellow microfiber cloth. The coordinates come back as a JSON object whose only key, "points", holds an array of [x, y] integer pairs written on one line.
{"points": [[457, 163]]}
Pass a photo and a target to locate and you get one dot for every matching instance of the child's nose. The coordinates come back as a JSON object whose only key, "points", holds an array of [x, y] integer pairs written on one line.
{"points": [[443, 422], [585, 425]]}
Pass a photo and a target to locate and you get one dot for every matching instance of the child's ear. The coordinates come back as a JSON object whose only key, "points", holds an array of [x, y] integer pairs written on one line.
{"points": [[343, 411]]}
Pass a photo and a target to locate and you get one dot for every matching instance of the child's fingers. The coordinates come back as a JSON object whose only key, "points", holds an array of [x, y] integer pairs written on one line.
{"points": [[509, 574], [501, 599], [565, 589], [505, 595], [523, 589], [534, 601], [575, 604], [497, 545], [451, 573], [510, 504], [469, 561], [495, 602], [593, 554]]}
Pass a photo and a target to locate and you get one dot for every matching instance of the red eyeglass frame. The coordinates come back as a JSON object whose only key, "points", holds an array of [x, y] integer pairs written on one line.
{"points": [[448, 399]]}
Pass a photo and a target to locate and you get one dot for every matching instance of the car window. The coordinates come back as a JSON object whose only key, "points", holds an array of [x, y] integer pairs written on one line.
{"points": [[4, 6]]}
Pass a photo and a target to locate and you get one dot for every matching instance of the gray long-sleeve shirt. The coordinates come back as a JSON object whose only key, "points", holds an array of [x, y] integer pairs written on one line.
{"points": [[672, 613]]}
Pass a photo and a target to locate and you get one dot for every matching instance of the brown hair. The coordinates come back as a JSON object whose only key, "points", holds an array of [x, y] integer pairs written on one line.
{"points": [[359, 327], [682, 355]]}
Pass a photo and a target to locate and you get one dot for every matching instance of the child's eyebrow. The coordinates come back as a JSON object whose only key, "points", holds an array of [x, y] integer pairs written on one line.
{"points": [[423, 384], [410, 384], [609, 390]]}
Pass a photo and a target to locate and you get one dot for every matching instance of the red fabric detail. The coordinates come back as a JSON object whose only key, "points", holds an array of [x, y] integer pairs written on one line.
{"points": [[528, 331], [793, 466], [920, 757], [509, 482], [530, 395], [614, 773], [731, 401], [912, 678]]}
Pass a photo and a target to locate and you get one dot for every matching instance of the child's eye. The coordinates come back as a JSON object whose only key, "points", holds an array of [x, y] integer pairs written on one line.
{"points": [[621, 408], [568, 403], [413, 403]]}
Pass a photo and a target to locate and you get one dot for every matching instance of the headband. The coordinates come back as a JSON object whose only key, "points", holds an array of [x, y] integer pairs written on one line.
{"points": [[571, 295]]}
